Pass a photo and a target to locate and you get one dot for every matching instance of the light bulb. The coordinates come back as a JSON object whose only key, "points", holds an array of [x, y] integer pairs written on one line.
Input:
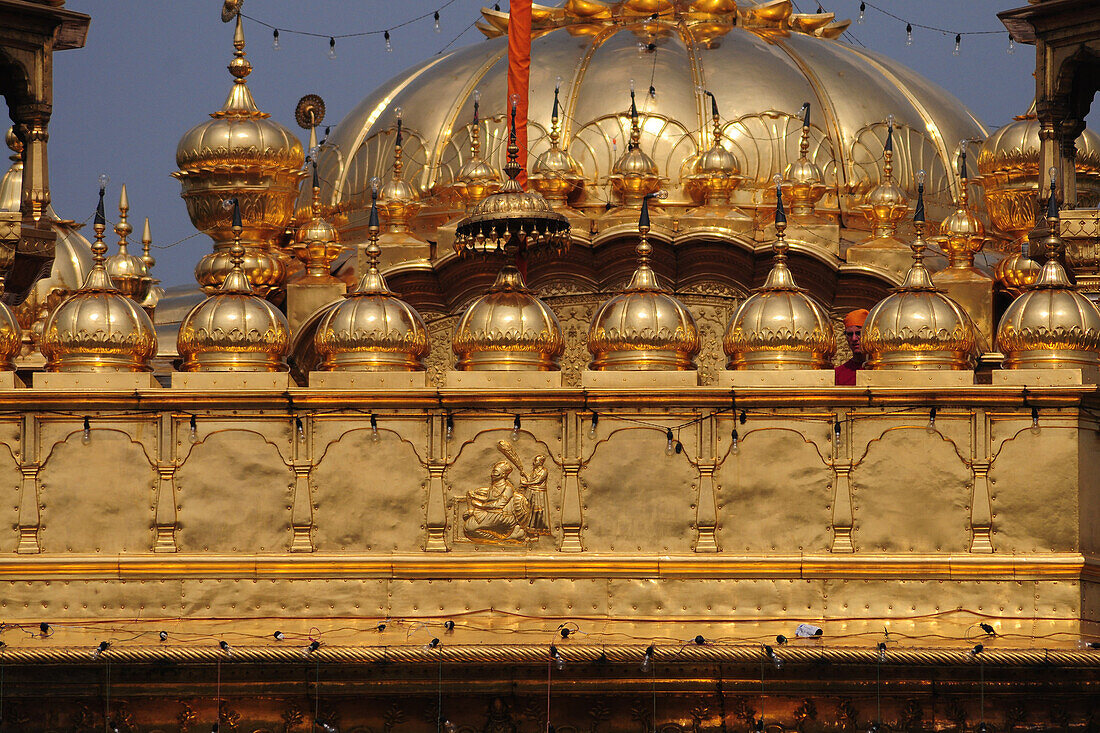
{"points": [[300, 427], [193, 432], [450, 428], [374, 436], [670, 447], [920, 177], [397, 112], [862, 11], [557, 84], [958, 41], [86, 436], [908, 34], [882, 651], [436, 26], [332, 48], [932, 420], [275, 41], [1011, 45], [647, 660], [1053, 174], [1035, 421], [477, 96], [389, 46], [592, 426], [515, 428], [375, 182], [735, 447], [631, 85], [103, 180], [890, 120]]}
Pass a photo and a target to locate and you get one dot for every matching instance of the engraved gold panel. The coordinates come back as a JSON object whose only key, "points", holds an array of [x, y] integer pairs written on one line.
{"points": [[756, 599], [108, 509], [634, 496], [282, 599], [234, 495], [910, 490], [776, 492], [1028, 464], [548, 597], [90, 600], [11, 480], [369, 496]]}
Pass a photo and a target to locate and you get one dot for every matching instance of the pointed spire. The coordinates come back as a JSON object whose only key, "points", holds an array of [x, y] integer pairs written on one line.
{"points": [[239, 103], [123, 228], [918, 277], [780, 214], [635, 130], [372, 280], [511, 166], [806, 115], [918, 214], [236, 281], [146, 246], [98, 279]]}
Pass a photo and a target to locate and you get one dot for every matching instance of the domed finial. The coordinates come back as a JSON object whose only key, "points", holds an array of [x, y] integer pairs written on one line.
{"points": [[239, 67], [918, 214], [963, 193], [554, 130], [397, 146], [99, 226], [918, 245], [240, 101], [780, 214], [804, 141], [236, 281], [511, 166], [635, 130], [715, 118], [146, 246], [123, 228]]}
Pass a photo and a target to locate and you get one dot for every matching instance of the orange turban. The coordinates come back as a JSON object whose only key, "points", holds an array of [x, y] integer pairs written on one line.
{"points": [[856, 318]]}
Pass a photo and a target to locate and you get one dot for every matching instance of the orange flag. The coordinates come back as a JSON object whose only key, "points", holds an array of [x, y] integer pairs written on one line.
{"points": [[519, 74]]}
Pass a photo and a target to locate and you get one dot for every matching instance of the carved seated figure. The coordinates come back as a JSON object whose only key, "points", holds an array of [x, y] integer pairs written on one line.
{"points": [[496, 512]]}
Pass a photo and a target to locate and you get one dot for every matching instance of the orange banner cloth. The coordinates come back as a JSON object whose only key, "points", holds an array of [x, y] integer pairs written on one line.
{"points": [[519, 74]]}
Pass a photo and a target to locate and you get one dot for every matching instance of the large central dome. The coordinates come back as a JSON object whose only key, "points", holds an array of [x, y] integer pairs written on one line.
{"points": [[762, 62]]}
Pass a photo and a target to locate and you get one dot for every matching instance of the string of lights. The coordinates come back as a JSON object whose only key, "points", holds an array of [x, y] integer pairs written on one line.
{"points": [[911, 25]]}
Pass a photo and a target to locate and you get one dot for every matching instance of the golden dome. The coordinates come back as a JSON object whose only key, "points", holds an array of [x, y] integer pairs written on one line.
{"points": [[1051, 326], [715, 174], [644, 327], [803, 182], [317, 243], [962, 234], [234, 330], [397, 200], [128, 272], [887, 204], [97, 328], [1009, 166], [372, 329], [780, 326], [240, 153], [11, 335], [11, 185], [556, 175], [476, 179], [1016, 272], [635, 174], [917, 326], [508, 328]]}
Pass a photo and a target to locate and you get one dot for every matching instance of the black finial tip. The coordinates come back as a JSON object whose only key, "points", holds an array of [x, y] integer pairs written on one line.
{"points": [[100, 219], [643, 218], [237, 222], [889, 146], [780, 213], [713, 104], [316, 181], [805, 114], [399, 129], [918, 214]]}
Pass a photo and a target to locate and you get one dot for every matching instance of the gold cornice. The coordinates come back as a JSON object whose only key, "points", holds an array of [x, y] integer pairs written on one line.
{"points": [[956, 567]]}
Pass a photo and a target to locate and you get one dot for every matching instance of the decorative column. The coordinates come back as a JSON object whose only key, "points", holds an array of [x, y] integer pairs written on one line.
{"points": [[843, 515], [301, 512], [165, 522], [436, 520], [981, 504], [29, 518], [706, 511], [572, 518]]}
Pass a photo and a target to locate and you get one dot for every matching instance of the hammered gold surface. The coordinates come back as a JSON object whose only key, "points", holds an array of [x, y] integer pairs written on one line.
{"points": [[10, 483]]}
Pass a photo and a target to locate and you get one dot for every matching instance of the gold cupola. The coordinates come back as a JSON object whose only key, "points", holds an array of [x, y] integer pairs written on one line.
{"points": [[917, 326], [509, 328], [128, 272], [397, 200], [372, 329], [240, 153], [887, 204], [476, 179], [715, 174], [11, 335], [1051, 326], [556, 175], [644, 327], [962, 234], [234, 330], [97, 328], [780, 326], [803, 182], [317, 243], [635, 174]]}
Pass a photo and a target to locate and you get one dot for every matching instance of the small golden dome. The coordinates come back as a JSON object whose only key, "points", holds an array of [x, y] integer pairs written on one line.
{"points": [[634, 175], [234, 330], [1016, 272], [715, 174], [397, 200], [11, 185], [128, 272], [372, 329], [917, 326], [803, 182], [11, 336], [97, 328], [644, 327], [1051, 326], [508, 328], [476, 179], [887, 204], [780, 326], [317, 243], [962, 234], [556, 175], [242, 153]]}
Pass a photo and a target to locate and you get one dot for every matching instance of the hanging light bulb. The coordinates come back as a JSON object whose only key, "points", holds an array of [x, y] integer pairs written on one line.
{"points": [[300, 427], [908, 34], [882, 651], [103, 180], [592, 426], [86, 436], [275, 41], [1035, 421], [515, 428], [450, 427], [332, 48], [374, 435], [647, 660], [436, 28], [958, 42], [931, 420], [776, 660], [389, 46], [670, 447], [557, 657], [1011, 45], [735, 448], [862, 11], [193, 431]]}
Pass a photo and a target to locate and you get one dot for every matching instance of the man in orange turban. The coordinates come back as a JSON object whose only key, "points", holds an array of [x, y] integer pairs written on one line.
{"points": [[845, 374]]}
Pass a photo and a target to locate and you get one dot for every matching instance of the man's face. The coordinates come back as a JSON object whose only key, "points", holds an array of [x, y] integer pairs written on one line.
{"points": [[852, 333]]}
